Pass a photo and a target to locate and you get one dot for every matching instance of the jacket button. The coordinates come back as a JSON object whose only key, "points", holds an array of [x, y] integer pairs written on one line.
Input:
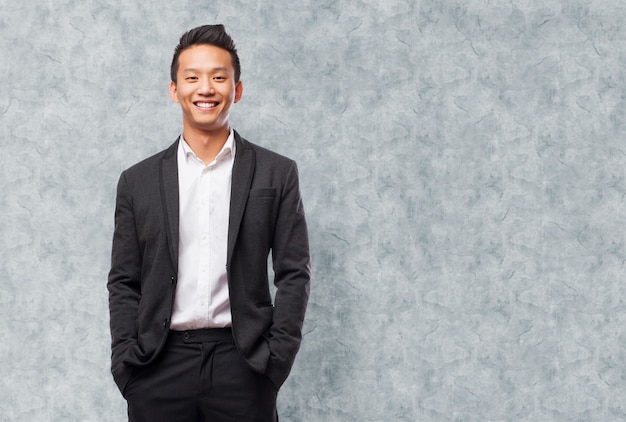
{"points": [[172, 279], [165, 321]]}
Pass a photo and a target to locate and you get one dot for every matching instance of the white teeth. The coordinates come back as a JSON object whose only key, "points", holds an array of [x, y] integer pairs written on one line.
{"points": [[206, 105]]}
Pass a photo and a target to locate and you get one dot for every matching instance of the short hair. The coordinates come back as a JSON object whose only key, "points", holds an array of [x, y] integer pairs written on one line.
{"points": [[210, 35]]}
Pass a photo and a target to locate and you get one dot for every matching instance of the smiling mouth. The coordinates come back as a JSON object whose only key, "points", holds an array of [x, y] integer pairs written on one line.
{"points": [[207, 105]]}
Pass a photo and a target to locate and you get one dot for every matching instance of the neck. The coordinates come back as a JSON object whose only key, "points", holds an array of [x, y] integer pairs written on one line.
{"points": [[206, 145]]}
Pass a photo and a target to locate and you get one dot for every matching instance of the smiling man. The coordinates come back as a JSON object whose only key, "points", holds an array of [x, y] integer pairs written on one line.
{"points": [[195, 333]]}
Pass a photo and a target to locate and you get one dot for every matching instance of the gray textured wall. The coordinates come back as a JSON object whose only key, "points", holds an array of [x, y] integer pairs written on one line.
{"points": [[462, 166]]}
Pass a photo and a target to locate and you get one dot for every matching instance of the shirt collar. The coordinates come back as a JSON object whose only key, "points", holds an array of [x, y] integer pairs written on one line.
{"points": [[229, 147]]}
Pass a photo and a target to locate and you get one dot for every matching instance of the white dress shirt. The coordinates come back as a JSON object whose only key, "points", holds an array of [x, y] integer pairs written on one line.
{"points": [[202, 299]]}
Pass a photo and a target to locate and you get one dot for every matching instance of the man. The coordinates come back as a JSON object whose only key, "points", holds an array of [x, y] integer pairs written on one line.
{"points": [[195, 336]]}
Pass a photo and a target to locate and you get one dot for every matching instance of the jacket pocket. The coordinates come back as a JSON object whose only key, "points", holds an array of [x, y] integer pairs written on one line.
{"points": [[269, 193]]}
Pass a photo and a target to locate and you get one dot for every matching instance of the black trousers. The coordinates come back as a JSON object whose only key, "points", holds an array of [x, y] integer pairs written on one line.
{"points": [[200, 376]]}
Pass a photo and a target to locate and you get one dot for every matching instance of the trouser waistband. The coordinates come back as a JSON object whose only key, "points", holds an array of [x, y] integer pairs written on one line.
{"points": [[201, 336]]}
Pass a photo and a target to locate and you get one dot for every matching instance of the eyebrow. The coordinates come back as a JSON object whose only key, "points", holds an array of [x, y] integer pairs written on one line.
{"points": [[215, 69]]}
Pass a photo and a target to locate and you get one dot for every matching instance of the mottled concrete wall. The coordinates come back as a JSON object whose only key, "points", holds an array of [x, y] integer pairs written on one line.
{"points": [[462, 166]]}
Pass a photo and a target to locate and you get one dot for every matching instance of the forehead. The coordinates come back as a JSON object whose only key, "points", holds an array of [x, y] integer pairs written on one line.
{"points": [[203, 57]]}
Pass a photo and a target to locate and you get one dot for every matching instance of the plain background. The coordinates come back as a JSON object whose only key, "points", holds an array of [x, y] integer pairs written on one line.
{"points": [[462, 168]]}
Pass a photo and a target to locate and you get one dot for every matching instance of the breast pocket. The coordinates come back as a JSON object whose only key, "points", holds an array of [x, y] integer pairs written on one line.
{"points": [[260, 215], [263, 193]]}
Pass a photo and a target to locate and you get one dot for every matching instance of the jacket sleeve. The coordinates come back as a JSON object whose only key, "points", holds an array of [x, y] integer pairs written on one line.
{"points": [[124, 282], [292, 270]]}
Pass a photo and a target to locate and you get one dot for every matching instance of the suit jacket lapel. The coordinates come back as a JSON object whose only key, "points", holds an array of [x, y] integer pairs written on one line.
{"points": [[169, 194], [243, 169]]}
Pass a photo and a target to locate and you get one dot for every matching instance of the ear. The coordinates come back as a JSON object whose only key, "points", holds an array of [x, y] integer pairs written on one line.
{"points": [[238, 91], [173, 92]]}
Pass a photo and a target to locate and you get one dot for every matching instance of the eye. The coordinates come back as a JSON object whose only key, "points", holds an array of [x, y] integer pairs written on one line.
{"points": [[220, 78], [191, 78]]}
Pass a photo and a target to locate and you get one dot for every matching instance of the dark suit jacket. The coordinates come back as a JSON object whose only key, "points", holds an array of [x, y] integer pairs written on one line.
{"points": [[266, 214]]}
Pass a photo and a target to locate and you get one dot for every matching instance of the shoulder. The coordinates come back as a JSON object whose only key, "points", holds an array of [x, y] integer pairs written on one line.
{"points": [[262, 154], [152, 163]]}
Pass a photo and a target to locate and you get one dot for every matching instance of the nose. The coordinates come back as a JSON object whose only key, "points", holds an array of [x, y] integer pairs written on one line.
{"points": [[205, 88]]}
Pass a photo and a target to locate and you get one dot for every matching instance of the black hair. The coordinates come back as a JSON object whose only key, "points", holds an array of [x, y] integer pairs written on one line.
{"points": [[207, 34]]}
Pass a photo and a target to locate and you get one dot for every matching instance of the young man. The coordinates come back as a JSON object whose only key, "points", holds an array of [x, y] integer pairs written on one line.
{"points": [[195, 335]]}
